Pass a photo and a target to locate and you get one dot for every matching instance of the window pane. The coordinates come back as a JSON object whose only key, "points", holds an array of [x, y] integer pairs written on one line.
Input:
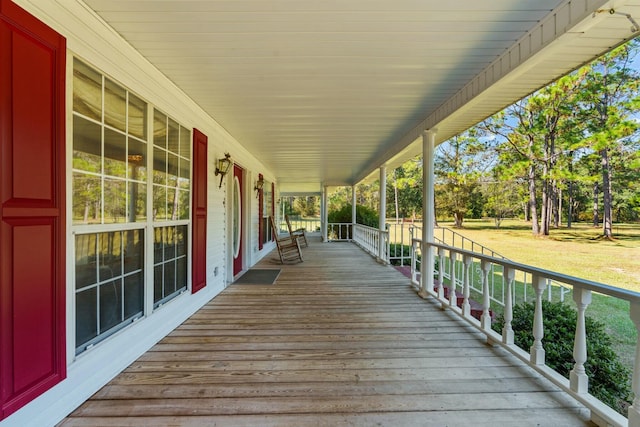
{"points": [[115, 105], [137, 117], [159, 166], [169, 278], [172, 204], [115, 154], [137, 202], [170, 243], [158, 245], [86, 266], [87, 194], [86, 316], [181, 240], [174, 137], [87, 91], [159, 203], [137, 160], [87, 146], [185, 142], [115, 200], [109, 255], [133, 245], [184, 174], [157, 283], [159, 129], [110, 304], [133, 295], [172, 170], [183, 207], [181, 273]]}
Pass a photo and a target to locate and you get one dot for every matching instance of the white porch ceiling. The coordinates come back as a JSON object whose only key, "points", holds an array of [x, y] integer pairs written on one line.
{"points": [[324, 92]]}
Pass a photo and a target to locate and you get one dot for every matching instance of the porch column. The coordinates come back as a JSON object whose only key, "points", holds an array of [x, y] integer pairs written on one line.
{"points": [[323, 214], [428, 211], [382, 211], [353, 212]]}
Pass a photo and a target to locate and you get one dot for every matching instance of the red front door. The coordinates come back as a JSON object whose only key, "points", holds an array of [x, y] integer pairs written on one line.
{"points": [[32, 220], [237, 224]]}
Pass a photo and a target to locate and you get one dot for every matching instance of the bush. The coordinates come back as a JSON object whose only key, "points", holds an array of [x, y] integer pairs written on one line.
{"points": [[396, 250], [364, 215], [608, 377]]}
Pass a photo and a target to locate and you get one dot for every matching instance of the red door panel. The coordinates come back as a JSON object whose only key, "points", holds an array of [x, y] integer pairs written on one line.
{"points": [[199, 270], [32, 235]]}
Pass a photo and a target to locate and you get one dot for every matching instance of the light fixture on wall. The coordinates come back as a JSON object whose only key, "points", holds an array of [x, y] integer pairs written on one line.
{"points": [[259, 185], [223, 167]]}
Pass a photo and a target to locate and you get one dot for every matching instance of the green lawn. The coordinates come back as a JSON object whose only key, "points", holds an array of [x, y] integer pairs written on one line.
{"points": [[576, 252]]}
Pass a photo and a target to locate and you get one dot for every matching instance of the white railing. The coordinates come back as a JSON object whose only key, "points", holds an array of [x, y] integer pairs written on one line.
{"points": [[446, 236], [507, 275], [311, 225], [372, 240], [339, 231]]}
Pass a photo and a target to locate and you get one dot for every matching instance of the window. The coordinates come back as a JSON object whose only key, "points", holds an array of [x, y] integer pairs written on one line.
{"points": [[109, 283], [109, 151], [123, 202], [169, 263]]}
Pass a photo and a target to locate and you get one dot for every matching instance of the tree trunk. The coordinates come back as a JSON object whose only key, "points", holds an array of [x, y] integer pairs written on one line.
{"points": [[607, 205], [535, 226], [596, 218], [546, 205], [458, 217], [557, 218]]}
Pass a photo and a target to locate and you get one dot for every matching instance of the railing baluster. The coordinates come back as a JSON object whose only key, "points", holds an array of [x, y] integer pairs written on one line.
{"points": [[466, 307], [485, 320], [579, 381], [634, 409], [453, 300], [440, 274], [509, 275], [537, 351]]}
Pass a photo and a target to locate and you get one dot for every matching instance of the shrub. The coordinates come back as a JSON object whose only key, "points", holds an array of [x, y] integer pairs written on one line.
{"points": [[364, 215], [608, 377]]}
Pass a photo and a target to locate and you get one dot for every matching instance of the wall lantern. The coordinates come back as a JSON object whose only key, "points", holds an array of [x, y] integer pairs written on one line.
{"points": [[223, 167], [259, 185]]}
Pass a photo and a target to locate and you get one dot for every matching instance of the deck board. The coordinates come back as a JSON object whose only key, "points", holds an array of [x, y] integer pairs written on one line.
{"points": [[338, 340]]}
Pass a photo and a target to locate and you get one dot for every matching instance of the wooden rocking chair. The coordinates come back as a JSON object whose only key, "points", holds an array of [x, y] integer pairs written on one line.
{"points": [[288, 247], [300, 234]]}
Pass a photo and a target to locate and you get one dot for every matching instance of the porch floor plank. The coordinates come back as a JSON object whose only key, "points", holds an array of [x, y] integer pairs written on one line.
{"points": [[338, 340]]}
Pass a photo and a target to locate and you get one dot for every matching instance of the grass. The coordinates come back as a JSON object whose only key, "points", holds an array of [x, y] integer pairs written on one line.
{"points": [[576, 252]]}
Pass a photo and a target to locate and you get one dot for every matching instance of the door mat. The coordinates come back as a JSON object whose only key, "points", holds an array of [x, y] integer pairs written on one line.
{"points": [[259, 276]]}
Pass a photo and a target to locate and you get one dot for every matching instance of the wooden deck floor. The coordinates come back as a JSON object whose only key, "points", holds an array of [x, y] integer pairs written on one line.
{"points": [[338, 340]]}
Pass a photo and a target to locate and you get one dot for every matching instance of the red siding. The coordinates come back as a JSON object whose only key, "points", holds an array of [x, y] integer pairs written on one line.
{"points": [[199, 270], [32, 235]]}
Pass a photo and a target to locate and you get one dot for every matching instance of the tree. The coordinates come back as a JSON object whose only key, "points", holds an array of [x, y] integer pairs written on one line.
{"points": [[405, 186], [459, 163], [535, 133], [609, 100]]}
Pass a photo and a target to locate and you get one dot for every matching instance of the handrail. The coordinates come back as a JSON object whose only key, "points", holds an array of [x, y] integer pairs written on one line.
{"points": [[372, 240], [453, 238], [577, 385]]}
